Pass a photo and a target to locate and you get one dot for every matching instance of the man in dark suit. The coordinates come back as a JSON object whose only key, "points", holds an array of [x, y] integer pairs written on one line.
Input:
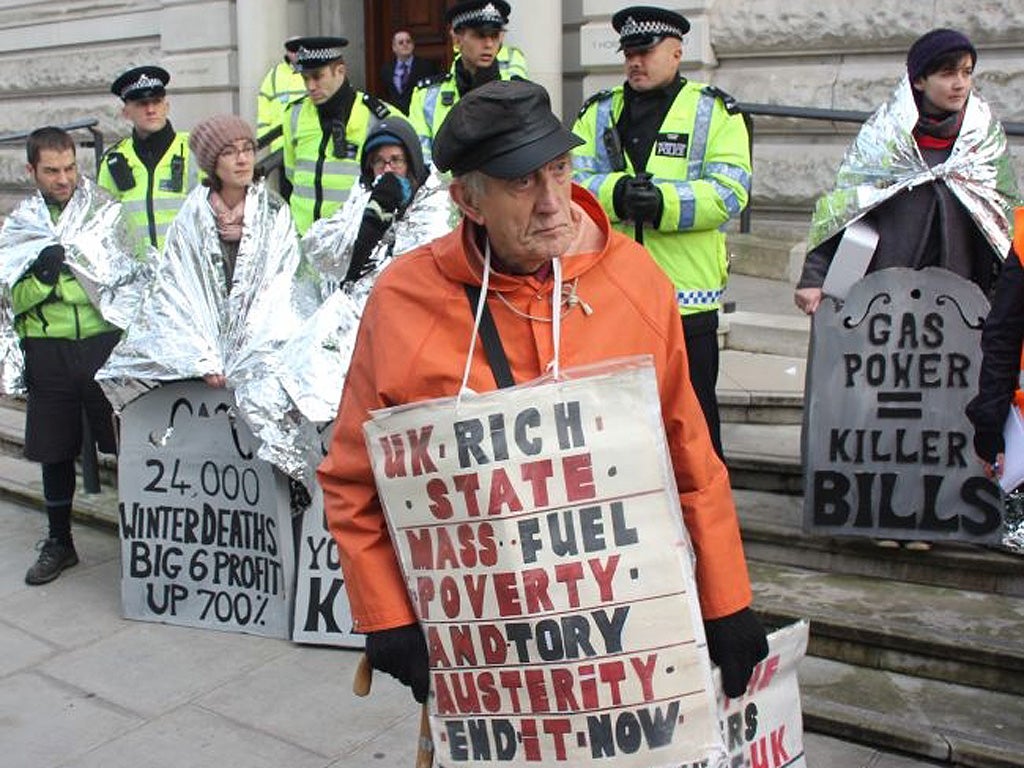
{"points": [[401, 74]]}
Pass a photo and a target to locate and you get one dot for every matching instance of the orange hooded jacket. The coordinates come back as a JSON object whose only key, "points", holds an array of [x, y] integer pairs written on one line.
{"points": [[412, 346]]}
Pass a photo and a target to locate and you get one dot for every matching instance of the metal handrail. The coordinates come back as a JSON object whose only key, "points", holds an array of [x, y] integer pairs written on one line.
{"points": [[749, 110], [89, 124]]}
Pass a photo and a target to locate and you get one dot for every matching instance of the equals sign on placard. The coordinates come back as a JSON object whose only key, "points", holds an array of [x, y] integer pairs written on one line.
{"points": [[899, 405]]}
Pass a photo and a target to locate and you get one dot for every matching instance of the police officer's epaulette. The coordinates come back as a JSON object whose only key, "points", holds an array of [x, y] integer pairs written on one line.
{"points": [[731, 105], [375, 105], [440, 77], [116, 146], [599, 96]]}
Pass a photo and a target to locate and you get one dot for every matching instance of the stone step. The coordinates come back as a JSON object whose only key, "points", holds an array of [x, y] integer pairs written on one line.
{"points": [[946, 722], [763, 457], [772, 526], [767, 333], [21, 481], [940, 633], [760, 389], [772, 257]]}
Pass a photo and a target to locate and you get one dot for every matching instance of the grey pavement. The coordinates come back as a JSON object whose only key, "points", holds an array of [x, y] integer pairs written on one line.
{"points": [[82, 687]]}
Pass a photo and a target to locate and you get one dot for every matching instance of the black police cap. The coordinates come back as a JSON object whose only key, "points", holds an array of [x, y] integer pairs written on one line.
{"points": [[643, 26], [479, 14], [315, 52], [141, 83], [505, 129]]}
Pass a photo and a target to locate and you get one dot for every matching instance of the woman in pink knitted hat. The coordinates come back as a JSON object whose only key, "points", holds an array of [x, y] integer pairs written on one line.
{"points": [[231, 285]]}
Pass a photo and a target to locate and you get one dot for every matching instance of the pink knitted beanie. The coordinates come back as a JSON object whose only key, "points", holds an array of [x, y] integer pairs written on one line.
{"points": [[208, 139]]}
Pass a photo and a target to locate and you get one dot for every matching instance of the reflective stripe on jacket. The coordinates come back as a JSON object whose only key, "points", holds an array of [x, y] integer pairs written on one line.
{"points": [[702, 188], [321, 181], [152, 202]]}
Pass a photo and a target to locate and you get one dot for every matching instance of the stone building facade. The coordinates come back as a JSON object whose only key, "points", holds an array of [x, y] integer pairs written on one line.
{"points": [[58, 57]]}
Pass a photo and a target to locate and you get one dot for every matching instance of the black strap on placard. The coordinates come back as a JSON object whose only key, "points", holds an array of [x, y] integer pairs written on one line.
{"points": [[492, 342]]}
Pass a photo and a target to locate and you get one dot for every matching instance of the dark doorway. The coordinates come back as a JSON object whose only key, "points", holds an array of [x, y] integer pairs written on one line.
{"points": [[424, 19]]}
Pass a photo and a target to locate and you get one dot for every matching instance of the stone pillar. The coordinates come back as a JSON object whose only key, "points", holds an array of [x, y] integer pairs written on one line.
{"points": [[535, 26], [260, 24], [344, 18]]}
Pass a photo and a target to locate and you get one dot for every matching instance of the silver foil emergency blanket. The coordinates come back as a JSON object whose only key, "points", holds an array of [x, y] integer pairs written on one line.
{"points": [[884, 160], [190, 324], [99, 249], [316, 360]]}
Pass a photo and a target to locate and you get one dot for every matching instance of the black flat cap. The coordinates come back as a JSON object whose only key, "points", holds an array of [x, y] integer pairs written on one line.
{"points": [[479, 14], [141, 83], [504, 128], [641, 27], [315, 52]]}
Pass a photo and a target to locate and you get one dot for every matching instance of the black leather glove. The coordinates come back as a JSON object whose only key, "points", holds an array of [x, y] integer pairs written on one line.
{"points": [[736, 643], [46, 267], [402, 653], [637, 199], [389, 192]]}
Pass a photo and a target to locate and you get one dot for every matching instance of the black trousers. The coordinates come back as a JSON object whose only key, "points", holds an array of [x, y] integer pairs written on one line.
{"points": [[701, 333]]}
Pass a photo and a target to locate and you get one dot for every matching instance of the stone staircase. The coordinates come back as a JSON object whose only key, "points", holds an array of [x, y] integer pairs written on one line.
{"points": [[915, 652]]}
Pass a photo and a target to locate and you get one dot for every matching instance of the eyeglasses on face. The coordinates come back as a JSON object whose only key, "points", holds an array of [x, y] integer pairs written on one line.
{"points": [[396, 162], [233, 152]]}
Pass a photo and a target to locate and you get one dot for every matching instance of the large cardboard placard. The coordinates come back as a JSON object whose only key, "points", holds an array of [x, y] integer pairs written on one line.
{"points": [[206, 535], [886, 442], [322, 612], [763, 728], [541, 538]]}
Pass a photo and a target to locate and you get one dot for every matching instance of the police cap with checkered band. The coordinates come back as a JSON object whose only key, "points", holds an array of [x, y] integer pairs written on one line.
{"points": [[479, 14], [315, 52], [642, 27], [141, 83]]}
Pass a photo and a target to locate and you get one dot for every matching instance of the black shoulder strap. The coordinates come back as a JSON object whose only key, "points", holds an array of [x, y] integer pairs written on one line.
{"points": [[491, 341], [731, 105]]}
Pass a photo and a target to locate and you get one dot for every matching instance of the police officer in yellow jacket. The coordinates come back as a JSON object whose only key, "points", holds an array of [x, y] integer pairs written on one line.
{"points": [[280, 87], [692, 141], [478, 32], [152, 170], [324, 130]]}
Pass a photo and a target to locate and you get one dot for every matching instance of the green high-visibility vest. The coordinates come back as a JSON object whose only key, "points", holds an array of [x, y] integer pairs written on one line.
{"points": [[700, 161], [321, 172], [152, 200]]}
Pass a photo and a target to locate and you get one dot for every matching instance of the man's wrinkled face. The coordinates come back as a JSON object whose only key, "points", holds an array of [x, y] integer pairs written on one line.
{"points": [[147, 115], [655, 67], [478, 47], [324, 82], [947, 89], [528, 220], [55, 174]]}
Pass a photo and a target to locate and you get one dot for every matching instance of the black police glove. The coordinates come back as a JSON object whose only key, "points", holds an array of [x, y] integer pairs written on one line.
{"points": [[736, 643], [46, 267], [388, 192], [402, 653], [637, 199]]}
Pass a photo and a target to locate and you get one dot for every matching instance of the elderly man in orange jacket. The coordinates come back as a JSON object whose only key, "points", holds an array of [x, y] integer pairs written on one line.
{"points": [[509, 156]]}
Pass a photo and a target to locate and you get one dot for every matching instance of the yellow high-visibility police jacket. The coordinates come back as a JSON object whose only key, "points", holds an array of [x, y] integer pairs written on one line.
{"points": [[700, 161], [150, 200], [280, 87], [321, 170]]}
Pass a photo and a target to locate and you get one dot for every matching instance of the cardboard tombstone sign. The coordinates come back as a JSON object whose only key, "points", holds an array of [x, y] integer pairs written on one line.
{"points": [[887, 446], [540, 535], [206, 535], [322, 612]]}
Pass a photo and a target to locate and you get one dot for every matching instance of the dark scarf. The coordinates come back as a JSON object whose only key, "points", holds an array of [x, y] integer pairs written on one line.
{"points": [[643, 112], [938, 131], [466, 81], [338, 107], [153, 147]]}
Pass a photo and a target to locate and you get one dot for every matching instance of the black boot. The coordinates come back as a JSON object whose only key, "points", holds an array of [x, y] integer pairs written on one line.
{"points": [[54, 557]]}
